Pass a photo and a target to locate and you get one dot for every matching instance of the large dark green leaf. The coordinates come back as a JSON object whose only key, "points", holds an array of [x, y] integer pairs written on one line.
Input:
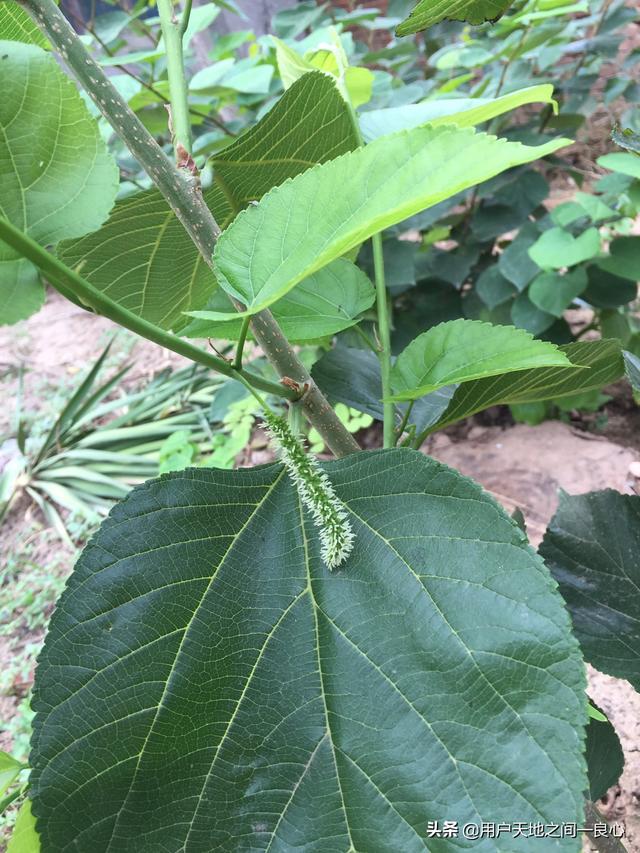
{"points": [[57, 178], [430, 12], [606, 290], [601, 362], [143, 258], [208, 685], [514, 263], [592, 546]]}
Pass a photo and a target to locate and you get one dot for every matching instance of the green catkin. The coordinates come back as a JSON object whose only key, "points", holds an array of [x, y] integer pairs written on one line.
{"points": [[315, 491]]}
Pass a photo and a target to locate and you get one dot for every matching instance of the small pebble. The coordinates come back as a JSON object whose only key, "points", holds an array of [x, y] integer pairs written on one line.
{"points": [[634, 469]]}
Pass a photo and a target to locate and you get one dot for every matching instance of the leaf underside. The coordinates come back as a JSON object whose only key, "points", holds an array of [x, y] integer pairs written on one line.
{"points": [[207, 684], [463, 112], [600, 362], [430, 12], [143, 258], [322, 305], [17, 25]]}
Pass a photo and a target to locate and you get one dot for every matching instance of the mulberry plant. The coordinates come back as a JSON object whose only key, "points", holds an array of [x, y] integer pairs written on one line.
{"points": [[305, 655]]}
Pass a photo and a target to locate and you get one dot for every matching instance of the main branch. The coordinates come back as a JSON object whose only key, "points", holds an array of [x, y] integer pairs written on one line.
{"points": [[184, 196], [77, 289]]}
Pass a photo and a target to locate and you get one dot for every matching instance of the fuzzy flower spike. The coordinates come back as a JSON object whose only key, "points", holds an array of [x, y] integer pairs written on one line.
{"points": [[315, 491]]}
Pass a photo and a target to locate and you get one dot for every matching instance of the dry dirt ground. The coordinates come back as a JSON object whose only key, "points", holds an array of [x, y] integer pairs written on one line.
{"points": [[522, 466]]}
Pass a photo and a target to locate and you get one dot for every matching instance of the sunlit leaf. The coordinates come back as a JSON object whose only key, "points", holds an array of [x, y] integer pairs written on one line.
{"points": [[24, 838], [326, 303], [279, 242], [592, 546], [142, 256], [17, 25], [558, 248], [9, 770], [463, 350], [463, 112]]}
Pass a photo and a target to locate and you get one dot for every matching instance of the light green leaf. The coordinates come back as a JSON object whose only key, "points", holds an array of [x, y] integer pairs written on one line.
{"points": [[326, 303], [595, 208], [291, 65], [207, 684], [208, 78], [462, 350], [463, 112], [9, 770], [200, 18], [599, 362], [133, 58], [24, 838], [21, 291], [595, 714], [57, 178], [17, 25], [249, 78], [355, 83], [621, 161], [430, 12], [359, 84], [558, 248], [142, 257], [324, 213], [591, 547], [553, 293]]}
